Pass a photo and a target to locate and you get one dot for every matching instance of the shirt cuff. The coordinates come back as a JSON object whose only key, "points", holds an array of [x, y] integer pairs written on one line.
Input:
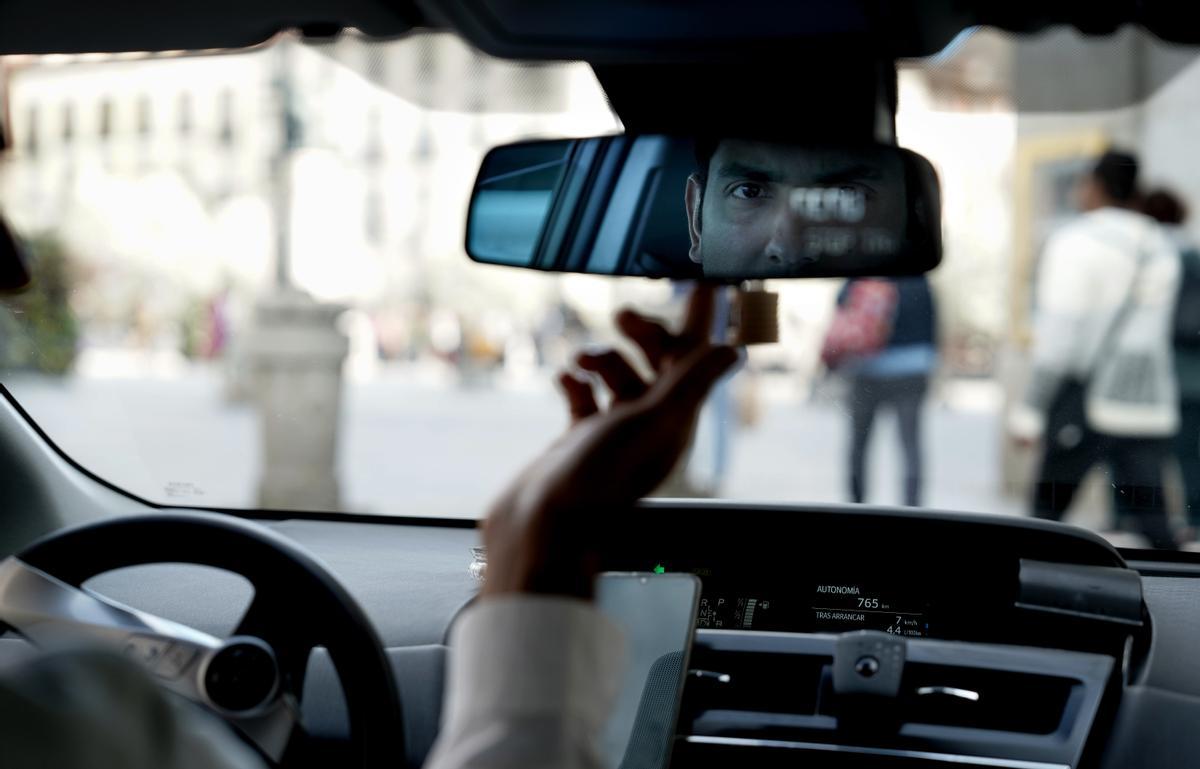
{"points": [[1026, 422], [527, 655]]}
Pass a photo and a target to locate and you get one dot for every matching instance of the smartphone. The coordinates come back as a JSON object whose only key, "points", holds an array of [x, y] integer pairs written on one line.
{"points": [[657, 613]]}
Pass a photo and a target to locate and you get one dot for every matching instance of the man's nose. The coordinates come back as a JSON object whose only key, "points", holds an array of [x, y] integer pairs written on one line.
{"points": [[786, 245]]}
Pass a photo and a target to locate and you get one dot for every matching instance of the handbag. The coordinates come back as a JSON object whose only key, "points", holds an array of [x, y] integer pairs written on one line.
{"points": [[1066, 420], [862, 324]]}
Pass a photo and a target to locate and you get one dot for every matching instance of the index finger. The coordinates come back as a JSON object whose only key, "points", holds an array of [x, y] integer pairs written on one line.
{"points": [[697, 324], [649, 335]]}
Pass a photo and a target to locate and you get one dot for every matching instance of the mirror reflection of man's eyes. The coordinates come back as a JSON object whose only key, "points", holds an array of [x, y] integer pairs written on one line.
{"points": [[748, 191], [745, 182], [762, 205]]}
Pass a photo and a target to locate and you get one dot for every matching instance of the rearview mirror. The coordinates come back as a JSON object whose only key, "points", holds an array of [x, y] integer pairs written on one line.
{"points": [[727, 209]]}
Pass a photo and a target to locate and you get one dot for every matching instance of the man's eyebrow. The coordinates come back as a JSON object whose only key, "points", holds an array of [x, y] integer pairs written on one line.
{"points": [[736, 170], [851, 174]]}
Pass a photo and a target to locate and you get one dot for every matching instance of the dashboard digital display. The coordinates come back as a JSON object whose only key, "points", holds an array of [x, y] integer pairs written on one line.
{"points": [[852, 606], [820, 605]]}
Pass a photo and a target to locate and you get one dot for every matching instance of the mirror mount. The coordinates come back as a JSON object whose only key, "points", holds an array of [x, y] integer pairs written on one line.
{"points": [[755, 316], [856, 97]]}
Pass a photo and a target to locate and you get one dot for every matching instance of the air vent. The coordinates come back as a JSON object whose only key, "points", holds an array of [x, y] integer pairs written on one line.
{"points": [[768, 693], [762, 683], [739, 693], [984, 699]]}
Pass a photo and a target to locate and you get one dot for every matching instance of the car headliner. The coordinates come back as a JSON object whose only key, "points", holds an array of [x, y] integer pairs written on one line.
{"points": [[606, 31]]}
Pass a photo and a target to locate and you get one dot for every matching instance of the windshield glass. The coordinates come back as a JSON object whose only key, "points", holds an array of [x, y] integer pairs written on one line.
{"points": [[252, 290]]}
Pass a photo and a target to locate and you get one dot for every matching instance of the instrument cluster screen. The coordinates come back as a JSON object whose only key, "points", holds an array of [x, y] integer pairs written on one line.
{"points": [[816, 605], [852, 606]]}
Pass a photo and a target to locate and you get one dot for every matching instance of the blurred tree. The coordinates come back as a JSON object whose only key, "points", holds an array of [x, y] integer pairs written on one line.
{"points": [[193, 329], [38, 330]]}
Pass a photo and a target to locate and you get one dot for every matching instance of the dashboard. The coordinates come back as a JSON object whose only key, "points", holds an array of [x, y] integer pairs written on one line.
{"points": [[1061, 691], [837, 570], [1009, 635]]}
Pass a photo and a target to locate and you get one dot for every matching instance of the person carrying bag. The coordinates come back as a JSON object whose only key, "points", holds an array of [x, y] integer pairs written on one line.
{"points": [[1103, 388]]}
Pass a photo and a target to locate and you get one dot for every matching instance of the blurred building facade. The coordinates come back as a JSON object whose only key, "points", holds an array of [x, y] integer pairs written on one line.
{"points": [[159, 171]]}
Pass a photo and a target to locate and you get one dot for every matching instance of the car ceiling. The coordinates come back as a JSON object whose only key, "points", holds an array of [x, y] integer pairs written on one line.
{"points": [[598, 31]]}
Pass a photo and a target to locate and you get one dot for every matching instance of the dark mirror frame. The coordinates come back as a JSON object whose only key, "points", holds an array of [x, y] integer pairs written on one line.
{"points": [[14, 267]]}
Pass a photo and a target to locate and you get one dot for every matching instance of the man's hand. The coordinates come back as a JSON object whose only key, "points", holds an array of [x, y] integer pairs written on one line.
{"points": [[541, 534]]}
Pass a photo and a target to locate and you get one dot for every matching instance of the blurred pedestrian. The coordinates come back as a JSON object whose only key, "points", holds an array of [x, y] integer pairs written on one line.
{"points": [[1166, 208], [217, 324], [883, 338], [1103, 386]]}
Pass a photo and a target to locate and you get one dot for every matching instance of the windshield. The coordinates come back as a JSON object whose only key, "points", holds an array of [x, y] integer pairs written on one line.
{"points": [[253, 293]]}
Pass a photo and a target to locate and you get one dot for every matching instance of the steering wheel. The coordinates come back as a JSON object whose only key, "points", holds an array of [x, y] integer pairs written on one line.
{"points": [[255, 678]]}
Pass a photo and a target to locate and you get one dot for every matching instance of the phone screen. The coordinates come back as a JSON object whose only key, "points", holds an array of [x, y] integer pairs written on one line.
{"points": [[657, 613]]}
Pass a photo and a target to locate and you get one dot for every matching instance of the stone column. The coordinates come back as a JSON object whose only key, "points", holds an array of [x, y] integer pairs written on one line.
{"points": [[295, 354]]}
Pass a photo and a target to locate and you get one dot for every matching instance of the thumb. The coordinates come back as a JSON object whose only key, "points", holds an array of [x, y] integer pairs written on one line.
{"points": [[692, 377]]}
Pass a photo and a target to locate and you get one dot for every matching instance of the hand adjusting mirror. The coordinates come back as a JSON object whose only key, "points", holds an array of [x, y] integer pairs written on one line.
{"points": [[724, 209]]}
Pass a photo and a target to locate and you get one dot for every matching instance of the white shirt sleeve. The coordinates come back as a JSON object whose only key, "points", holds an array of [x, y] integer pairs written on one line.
{"points": [[531, 682], [95, 710], [1065, 305]]}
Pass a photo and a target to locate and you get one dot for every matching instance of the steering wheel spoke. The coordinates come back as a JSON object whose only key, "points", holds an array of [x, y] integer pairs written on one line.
{"points": [[53, 614]]}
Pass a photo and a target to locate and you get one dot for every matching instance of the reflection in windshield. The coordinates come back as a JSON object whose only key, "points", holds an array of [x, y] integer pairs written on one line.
{"points": [[253, 288]]}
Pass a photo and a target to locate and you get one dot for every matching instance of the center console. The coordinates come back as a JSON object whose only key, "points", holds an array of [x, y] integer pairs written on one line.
{"points": [[859, 637]]}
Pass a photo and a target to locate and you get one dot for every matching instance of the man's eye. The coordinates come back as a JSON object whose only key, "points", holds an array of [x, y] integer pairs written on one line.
{"points": [[748, 191]]}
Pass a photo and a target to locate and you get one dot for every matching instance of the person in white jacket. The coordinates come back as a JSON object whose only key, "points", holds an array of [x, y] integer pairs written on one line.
{"points": [[533, 663], [1103, 387]]}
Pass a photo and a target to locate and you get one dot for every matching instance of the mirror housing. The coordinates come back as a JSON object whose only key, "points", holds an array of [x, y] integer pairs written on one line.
{"points": [[619, 205], [14, 268]]}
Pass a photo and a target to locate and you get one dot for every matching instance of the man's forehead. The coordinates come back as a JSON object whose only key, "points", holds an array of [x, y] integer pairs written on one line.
{"points": [[787, 162]]}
